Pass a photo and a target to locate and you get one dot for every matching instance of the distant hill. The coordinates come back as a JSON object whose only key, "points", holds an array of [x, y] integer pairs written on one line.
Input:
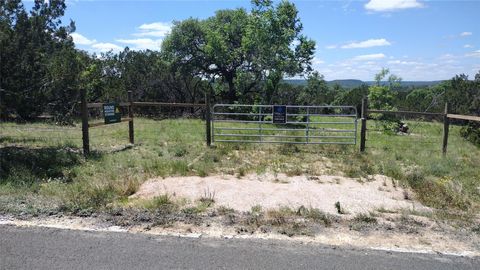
{"points": [[351, 83], [347, 83]]}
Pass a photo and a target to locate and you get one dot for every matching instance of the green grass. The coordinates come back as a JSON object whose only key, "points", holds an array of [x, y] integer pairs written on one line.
{"points": [[41, 166]]}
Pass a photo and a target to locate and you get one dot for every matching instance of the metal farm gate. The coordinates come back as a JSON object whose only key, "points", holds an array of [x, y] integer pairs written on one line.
{"points": [[291, 124]]}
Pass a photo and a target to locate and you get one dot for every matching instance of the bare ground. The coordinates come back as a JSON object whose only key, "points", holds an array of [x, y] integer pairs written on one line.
{"points": [[272, 191]]}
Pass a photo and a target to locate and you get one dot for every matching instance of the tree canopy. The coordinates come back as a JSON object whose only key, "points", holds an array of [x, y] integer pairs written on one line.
{"points": [[38, 57], [262, 45]]}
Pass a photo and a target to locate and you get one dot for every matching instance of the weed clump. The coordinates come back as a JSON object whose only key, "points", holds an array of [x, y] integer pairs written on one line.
{"points": [[316, 215], [179, 151], [365, 218], [162, 203], [362, 221], [208, 197], [288, 149]]}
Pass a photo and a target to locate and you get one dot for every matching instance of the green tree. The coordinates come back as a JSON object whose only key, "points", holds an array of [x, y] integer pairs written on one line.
{"points": [[381, 97], [316, 92], [261, 46], [28, 43], [63, 82], [429, 99], [276, 44], [352, 97]]}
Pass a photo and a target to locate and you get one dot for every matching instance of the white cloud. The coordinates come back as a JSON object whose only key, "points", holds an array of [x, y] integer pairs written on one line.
{"points": [[391, 5], [142, 43], [150, 37], [474, 54], [369, 57], [105, 47], [156, 29], [367, 44], [447, 56], [79, 39], [93, 45], [400, 62], [410, 69], [465, 34], [467, 46], [318, 61]]}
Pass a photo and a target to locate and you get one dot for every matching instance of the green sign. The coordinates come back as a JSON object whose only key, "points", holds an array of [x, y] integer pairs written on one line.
{"points": [[112, 114]]}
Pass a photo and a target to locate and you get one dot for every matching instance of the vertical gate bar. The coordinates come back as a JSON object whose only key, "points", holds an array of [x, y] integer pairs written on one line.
{"points": [[356, 124], [260, 122], [363, 130], [308, 123], [213, 124]]}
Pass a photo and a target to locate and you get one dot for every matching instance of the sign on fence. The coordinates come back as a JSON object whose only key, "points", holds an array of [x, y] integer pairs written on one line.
{"points": [[111, 113], [279, 114]]}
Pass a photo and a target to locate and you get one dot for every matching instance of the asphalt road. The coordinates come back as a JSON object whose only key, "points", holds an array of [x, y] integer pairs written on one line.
{"points": [[44, 248]]}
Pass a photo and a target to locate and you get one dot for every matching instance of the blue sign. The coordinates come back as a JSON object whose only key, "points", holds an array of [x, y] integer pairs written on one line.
{"points": [[279, 114]]}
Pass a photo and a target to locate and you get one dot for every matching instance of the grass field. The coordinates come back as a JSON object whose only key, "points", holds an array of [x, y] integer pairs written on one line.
{"points": [[42, 168]]}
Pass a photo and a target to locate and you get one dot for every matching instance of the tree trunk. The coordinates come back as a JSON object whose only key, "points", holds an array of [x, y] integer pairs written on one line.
{"points": [[232, 94]]}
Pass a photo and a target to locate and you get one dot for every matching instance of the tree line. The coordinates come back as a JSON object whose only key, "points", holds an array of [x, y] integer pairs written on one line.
{"points": [[236, 56]]}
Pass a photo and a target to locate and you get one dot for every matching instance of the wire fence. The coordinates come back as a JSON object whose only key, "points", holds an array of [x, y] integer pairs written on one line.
{"points": [[152, 126], [405, 131], [157, 125]]}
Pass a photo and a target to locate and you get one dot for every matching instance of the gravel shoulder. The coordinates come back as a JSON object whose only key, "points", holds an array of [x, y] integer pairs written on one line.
{"points": [[48, 248]]}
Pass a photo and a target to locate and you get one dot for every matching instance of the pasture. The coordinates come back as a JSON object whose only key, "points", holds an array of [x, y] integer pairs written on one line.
{"points": [[43, 170]]}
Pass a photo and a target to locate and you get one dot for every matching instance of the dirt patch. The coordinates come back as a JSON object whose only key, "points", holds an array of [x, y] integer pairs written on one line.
{"points": [[272, 191]]}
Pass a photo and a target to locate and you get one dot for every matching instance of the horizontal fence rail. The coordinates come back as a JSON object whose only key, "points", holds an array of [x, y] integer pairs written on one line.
{"points": [[165, 104], [446, 115], [154, 104], [297, 124], [406, 113], [464, 117]]}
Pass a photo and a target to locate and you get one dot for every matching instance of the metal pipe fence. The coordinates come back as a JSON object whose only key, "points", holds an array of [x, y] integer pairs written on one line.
{"points": [[241, 123]]}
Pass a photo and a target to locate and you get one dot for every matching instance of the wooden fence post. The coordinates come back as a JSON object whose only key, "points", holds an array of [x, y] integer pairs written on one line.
{"points": [[84, 109], [131, 134], [446, 125], [208, 129], [363, 128]]}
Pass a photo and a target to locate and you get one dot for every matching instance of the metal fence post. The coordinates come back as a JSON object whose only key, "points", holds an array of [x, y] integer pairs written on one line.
{"points": [[131, 134], [446, 125], [363, 129], [208, 129], [84, 109]]}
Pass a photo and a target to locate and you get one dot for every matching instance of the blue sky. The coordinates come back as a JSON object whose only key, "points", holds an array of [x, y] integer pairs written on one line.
{"points": [[415, 39]]}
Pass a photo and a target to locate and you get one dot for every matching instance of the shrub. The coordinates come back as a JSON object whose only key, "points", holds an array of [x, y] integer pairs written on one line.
{"points": [[163, 203], [471, 132], [365, 218], [179, 151]]}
